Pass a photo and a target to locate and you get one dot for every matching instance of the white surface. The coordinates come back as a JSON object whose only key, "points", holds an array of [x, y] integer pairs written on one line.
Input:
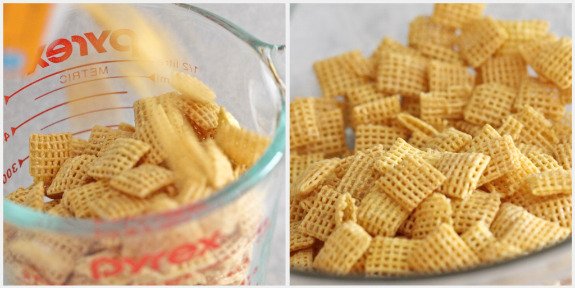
{"points": [[319, 31], [267, 22]]}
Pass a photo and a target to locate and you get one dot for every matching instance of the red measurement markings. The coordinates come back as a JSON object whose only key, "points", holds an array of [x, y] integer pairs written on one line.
{"points": [[86, 113], [151, 77], [8, 97], [88, 130], [14, 129], [13, 169]]}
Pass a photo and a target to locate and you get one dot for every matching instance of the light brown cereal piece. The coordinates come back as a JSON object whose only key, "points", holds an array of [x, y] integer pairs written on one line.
{"points": [[314, 176], [72, 174], [536, 129], [126, 127], [356, 62], [47, 153], [363, 94], [78, 200], [398, 151], [204, 116], [437, 52], [419, 139], [296, 212], [369, 135], [467, 127], [379, 214], [60, 210], [550, 182], [411, 105], [223, 172], [304, 128], [477, 237], [302, 260], [543, 161], [423, 30], [20, 196], [528, 148], [376, 112], [513, 180], [511, 126], [525, 29], [49, 205], [480, 39], [342, 249], [455, 15], [442, 251], [541, 95], [415, 124], [487, 134], [566, 96], [78, 146], [332, 135], [141, 181], [359, 267], [449, 140], [432, 212], [489, 104], [144, 111], [563, 154], [479, 207], [243, 147], [554, 62], [358, 176], [402, 74], [34, 197], [506, 70], [448, 104], [504, 158], [334, 77], [118, 206], [462, 171], [388, 256], [411, 181], [442, 75], [297, 240], [122, 154], [101, 137], [320, 221], [192, 88], [556, 208], [497, 251], [299, 163]]}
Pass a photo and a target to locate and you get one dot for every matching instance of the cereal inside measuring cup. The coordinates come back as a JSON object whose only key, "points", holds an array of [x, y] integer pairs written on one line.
{"points": [[461, 157], [182, 148]]}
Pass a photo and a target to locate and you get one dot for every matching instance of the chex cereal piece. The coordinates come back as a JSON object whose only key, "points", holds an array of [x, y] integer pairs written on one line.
{"points": [[334, 77], [389, 45], [118, 206], [379, 214], [223, 172], [161, 203], [521, 31], [101, 137], [298, 163], [432, 212], [72, 174], [528, 148], [510, 126], [141, 181], [487, 134], [342, 249], [530, 233], [506, 70], [243, 147], [529, 50], [388, 256], [35, 196], [448, 104], [550, 182], [144, 109], [566, 95], [504, 158], [480, 39], [78, 146], [455, 15], [396, 153], [126, 127], [356, 62], [467, 127], [78, 200], [478, 207], [512, 181], [563, 154], [320, 221], [489, 104], [332, 137], [556, 208], [411, 181], [359, 266], [369, 135], [376, 112], [462, 171], [433, 107], [60, 210], [477, 237], [205, 116], [302, 260], [20, 196], [47, 153], [192, 88], [497, 251], [315, 176], [122, 154], [49, 205], [411, 106], [449, 140], [358, 176], [297, 240], [507, 216], [363, 94], [442, 75], [554, 62], [419, 139], [543, 96], [296, 212], [536, 129], [438, 52], [442, 251], [415, 124], [543, 161], [423, 30], [402, 74], [304, 129]]}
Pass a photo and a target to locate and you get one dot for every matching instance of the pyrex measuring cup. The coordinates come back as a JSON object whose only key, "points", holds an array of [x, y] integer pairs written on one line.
{"points": [[221, 240]]}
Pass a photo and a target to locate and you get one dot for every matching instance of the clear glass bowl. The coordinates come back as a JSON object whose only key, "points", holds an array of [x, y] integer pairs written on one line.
{"points": [[223, 239]]}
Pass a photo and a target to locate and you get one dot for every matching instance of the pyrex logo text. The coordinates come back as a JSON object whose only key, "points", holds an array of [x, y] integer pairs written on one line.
{"points": [[123, 40]]}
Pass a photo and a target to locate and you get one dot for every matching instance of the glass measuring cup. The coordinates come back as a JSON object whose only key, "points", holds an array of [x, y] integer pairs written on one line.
{"points": [[222, 240]]}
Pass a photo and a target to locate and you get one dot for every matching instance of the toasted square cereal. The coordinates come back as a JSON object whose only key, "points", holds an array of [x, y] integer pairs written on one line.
{"points": [[47, 153], [511, 126], [541, 95], [536, 129], [497, 251], [356, 62], [78, 200], [143, 180], [430, 214], [78, 146], [480, 39], [192, 87], [389, 45], [462, 171], [396, 153], [388, 256], [334, 77], [342, 249], [423, 30], [419, 139], [402, 74], [442, 75], [455, 15], [243, 147], [520, 32], [380, 215], [415, 124], [554, 62], [543, 161], [438, 52], [101, 137], [332, 137], [364, 94], [505, 70], [556, 208], [477, 237], [297, 240], [122, 154], [478, 207], [302, 260], [563, 154], [489, 104], [72, 174], [369, 135], [304, 128], [314, 176], [118, 206], [144, 109], [358, 176], [376, 112], [449, 140], [550, 182], [504, 157]]}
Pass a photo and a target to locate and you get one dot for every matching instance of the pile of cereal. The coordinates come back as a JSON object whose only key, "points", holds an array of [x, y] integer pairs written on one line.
{"points": [[461, 157]]}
